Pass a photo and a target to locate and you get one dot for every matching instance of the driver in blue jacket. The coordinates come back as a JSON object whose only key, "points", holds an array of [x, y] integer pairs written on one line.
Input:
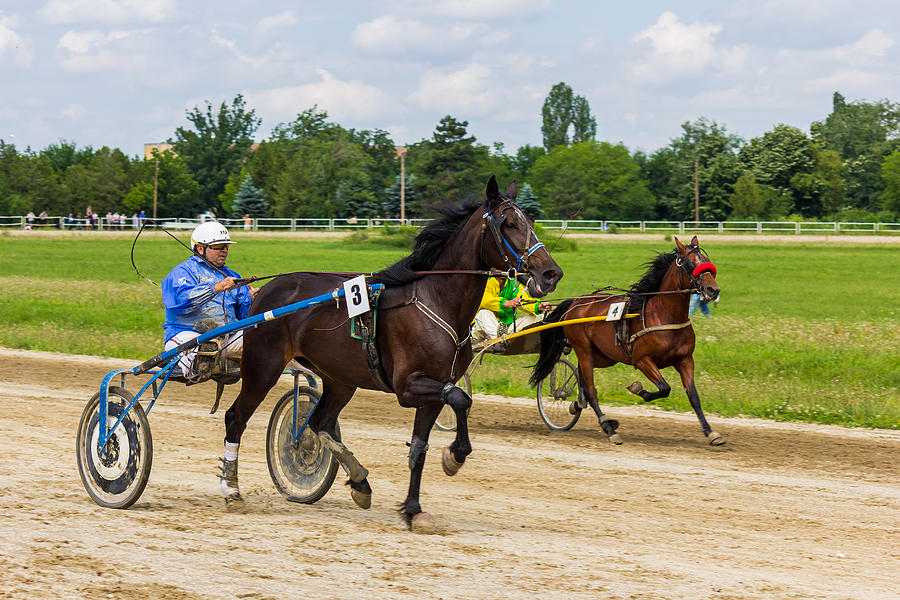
{"points": [[200, 294]]}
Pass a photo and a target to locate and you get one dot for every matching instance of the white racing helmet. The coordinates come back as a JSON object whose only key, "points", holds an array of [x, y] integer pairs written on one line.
{"points": [[209, 233]]}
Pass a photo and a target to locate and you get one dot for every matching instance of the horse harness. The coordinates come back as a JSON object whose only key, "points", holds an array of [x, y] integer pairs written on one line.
{"points": [[364, 324], [626, 341]]}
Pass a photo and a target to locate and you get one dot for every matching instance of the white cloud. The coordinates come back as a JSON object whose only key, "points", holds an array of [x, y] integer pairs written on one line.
{"points": [[108, 11], [393, 35], [481, 9], [872, 44], [80, 51], [676, 49], [341, 99], [269, 26], [469, 91], [74, 112], [13, 47]]}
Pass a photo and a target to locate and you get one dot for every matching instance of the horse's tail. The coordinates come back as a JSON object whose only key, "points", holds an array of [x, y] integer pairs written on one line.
{"points": [[552, 344]]}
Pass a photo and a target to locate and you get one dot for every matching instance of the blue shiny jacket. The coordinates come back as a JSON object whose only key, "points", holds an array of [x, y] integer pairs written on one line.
{"points": [[188, 296]]}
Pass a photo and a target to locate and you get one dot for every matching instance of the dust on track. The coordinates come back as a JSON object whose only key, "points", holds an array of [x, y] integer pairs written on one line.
{"points": [[782, 511]]}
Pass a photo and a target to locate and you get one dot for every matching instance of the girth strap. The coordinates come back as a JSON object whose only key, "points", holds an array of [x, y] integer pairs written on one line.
{"points": [[647, 330], [450, 331]]}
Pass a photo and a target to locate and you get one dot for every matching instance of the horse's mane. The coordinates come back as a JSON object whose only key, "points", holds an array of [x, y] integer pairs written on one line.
{"points": [[651, 280], [429, 244]]}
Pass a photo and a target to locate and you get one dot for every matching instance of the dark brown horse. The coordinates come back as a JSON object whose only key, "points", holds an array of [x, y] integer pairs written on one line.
{"points": [[660, 336], [422, 336]]}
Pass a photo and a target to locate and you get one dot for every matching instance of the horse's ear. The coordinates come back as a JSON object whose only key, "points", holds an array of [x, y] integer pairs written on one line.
{"points": [[679, 245], [493, 191], [511, 190], [695, 241]]}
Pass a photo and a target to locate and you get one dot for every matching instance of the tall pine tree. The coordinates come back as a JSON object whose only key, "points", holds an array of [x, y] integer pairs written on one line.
{"points": [[249, 200]]}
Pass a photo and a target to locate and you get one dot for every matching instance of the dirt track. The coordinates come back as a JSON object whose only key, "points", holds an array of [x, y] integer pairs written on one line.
{"points": [[782, 511]]}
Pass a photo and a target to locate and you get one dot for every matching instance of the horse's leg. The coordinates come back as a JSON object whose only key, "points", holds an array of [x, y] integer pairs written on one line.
{"points": [[586, 384], [335, 397], [686, 370], [646, 366], [256, 381], [429, 396]]}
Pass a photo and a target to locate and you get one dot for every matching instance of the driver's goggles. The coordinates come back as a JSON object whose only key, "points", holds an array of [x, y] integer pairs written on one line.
{"points": [[218, 246]]}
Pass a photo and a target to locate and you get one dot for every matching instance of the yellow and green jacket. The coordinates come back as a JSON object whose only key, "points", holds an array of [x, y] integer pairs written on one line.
{"points": [[495, 294]]}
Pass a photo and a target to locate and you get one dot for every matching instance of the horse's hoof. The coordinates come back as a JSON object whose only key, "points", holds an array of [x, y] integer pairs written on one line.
{"points": [[716, 439], [615, 439], [234, 502], [449, 463], [362, 499], [574, 409], [635, 388], [422, 523]]}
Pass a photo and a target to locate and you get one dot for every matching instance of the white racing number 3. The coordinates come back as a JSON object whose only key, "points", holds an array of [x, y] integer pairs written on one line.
{"points": [[357, 296]]}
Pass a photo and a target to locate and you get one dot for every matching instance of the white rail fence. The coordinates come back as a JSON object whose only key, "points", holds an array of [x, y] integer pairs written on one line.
{"points": [[572, 226]]}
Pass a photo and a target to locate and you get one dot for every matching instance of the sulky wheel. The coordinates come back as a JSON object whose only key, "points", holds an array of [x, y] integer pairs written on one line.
{"points": [[446, 420], [556, 394], [115, 476], [302, 471]]}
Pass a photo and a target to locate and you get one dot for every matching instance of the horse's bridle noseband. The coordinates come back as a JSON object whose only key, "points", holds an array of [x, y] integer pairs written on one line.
{"points": [[503, 245], [694, 274]]}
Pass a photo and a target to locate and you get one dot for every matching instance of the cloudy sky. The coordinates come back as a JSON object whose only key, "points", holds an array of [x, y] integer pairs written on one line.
{"points": [[122, 73]]}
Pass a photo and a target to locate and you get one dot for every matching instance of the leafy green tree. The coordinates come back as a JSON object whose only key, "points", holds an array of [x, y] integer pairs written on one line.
{"points": [[562, 109], [313, 168], [65, 155], [249, 200], [220, 141], [752, 201], [176, 191], [29, 183], [226, 198], [703, 153], [557, 116], [821, 192], [449, 167], [659, 171], [862, 133], [583, 123], [100, 182], [319, 177], [528, 202], [524, 159], [599, 180], [890, 197], [775, 158]]}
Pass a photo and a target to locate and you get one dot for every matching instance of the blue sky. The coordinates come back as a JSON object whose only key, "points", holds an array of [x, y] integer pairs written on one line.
{"points": [[122, 73]]}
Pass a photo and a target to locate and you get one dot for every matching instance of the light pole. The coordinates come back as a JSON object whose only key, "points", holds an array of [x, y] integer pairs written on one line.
{"points": [[155, 185], [401, 152]]}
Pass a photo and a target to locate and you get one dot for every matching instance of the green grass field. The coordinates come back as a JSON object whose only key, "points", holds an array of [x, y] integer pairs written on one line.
{"points": [[802, 332]]}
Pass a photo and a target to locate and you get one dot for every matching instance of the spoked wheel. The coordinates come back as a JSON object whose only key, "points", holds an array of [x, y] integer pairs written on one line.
{"points": [[446, 420], [556, 394], [302, 472], [115, 476]]}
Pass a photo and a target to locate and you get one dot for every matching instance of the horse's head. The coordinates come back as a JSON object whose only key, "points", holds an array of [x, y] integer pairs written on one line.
{"points": [[517, 248], [697, 270]]}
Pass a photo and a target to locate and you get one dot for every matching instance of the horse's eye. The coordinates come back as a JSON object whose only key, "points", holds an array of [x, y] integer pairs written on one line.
{"points": [[511, 225]]}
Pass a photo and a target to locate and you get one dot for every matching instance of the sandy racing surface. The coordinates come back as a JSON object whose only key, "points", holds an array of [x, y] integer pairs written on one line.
{"points": [[781, 511]]}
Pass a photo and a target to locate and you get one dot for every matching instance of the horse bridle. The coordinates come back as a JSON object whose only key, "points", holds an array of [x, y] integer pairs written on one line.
{"points": [[503, 246], [694, 274]]}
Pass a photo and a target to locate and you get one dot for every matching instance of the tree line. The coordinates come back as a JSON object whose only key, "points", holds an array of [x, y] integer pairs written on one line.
{"points": [[846, 168]]}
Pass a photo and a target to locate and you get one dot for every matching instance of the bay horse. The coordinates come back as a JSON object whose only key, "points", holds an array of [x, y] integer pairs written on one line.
{"points": [[422, 336], [660, 336]]}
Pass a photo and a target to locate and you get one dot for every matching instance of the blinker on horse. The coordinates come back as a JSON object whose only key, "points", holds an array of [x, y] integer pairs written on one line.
{"points": [[660, 336], [421, 338]]}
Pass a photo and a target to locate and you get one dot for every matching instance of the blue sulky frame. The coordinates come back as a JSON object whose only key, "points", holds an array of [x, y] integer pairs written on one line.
{"points": [[170, 357]]}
